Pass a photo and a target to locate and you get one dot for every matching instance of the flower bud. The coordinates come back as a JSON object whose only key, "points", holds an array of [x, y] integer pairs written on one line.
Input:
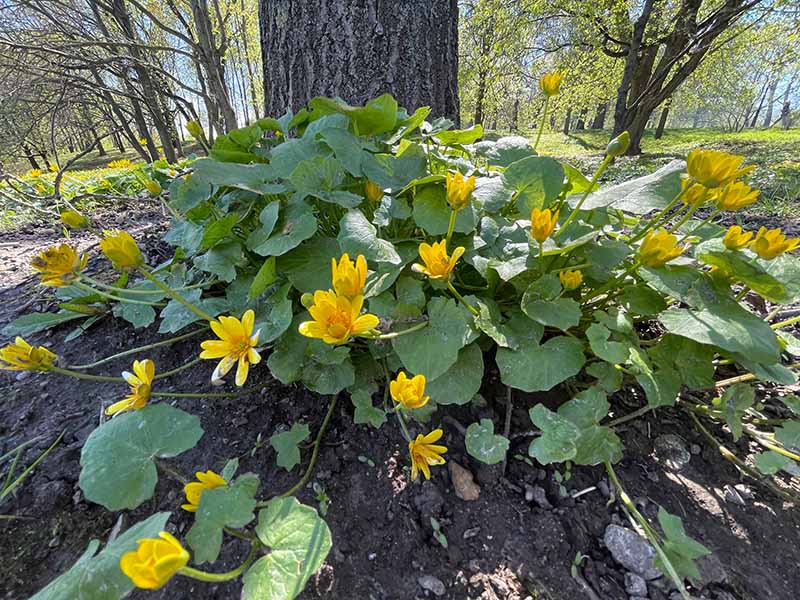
{"points": [[74, 219], [195, 129], [619, 145], [153, 187], [307, 300]]}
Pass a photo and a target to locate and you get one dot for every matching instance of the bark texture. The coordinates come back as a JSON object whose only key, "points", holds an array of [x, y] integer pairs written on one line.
{"points": [[359, 49]]}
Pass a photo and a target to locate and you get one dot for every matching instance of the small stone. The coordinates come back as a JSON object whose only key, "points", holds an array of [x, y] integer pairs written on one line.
{"points": [[56, 541], [22, 375], [463, 482], [671, 451], [635, 585], [695, 449], [372, 556], [745, 491], [603, 487], [540, 498], [631, 551], [711, 569], [432, 584], [471, 533], [240, 421], [732, 496]]}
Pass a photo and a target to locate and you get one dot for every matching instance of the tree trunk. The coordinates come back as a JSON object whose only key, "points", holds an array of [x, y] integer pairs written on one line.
{"points": [[360, 49], [567, 120], [479, 98], [599, 120], [786, 120], [770, 102], [662, 120], [514, 125], [580, 125]]}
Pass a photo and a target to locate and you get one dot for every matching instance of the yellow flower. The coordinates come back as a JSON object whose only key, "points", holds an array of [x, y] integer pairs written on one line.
{"points": [[771, 243], [659, 247], [74, 219], [425, 454], [570, 280], [438, 265], [54, 168], [696, 194], [237, 343], [119, 164], [337, 318], [348, 278], [21, 356], [140, 381], [543, 222], [121, 249], [194, 489], [409, 393], [736, 195], [195, 129], [34, 173], [714, 168], [143, 141], [736, 238], [58, 266], [154, 562], [551, 83], [40, 188], [459, 190], [372, 191], [153, 187]]}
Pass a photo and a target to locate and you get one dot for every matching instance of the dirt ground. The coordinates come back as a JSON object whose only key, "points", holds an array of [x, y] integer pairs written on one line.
{"points": [[516, 541]]}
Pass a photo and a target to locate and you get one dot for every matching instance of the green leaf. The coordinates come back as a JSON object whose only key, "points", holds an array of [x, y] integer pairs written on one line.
{"points": [[537, 180], [175, 316], [347, 148], [236, 145], [138, 315], [788, 434], [491, 193], [286, 156], [365, 411], [562, 313], [222, 260], [793, 402], [298, 541], [329, 379], [117, 467], [535, 368], [227, 506], [505, 150], [459, 137], [285, 444], [643, 194], [98, 576], [691, 360], [483, 444], [609, 351], [557, 442], [268, 218], [218, 230], [35, 322], [267, 275], [298, 224], [681, 550], [587, 408], [273, 315], [735, 402], [308, 266], [379, 115], [770, 462], [662, 386], [786, 269], [642, 300], [359, 236], [734, 265], [432, 213], [434, 349], [288, 357], [608, 378], [460, 383]]}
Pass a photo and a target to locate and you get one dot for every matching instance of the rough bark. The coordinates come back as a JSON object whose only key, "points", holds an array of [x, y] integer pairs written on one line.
{"points": [[567, 119], [359, 49], [580, 124], [662, 120], [599, 120], [770, 102]]}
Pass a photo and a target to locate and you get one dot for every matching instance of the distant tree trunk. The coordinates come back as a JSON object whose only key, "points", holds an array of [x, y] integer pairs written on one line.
{"points": [[514, 126], [696, 118], [359, 49], [101, 151], [599, 120], [580, 125], [662, 120], [567, 119], [479, 98], [786, 120], [30, 156], [770, 102]]}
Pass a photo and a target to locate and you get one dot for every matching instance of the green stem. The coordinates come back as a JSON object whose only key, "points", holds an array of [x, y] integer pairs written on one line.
{"points": [[144, 348], [786, 323], [175, 296], [403, 427], [91, 290], [218, 577], [183, 367], [106, 286], [77, 375], [657, 220], [610, 284], [686, 216], [544, 120], [630, 417], [770, 446], [743, 293], [395, 334], [451, 226], [708, 219], [603, 165], [460, 298]]}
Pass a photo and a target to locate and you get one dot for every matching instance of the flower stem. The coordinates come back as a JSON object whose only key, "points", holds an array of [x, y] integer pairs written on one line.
{"points": [[460, 298], [544, 120], [176, 296], [603, 165], [708, 219], [106, 286], [451, 226], [395, 334], [745, 290], [218, 577], [786, 323], [688, 215], [403, 427], [77, 375], [657, 220], [204, 394], [610, 284], [144, 348], [183, 367], [92, 290]]}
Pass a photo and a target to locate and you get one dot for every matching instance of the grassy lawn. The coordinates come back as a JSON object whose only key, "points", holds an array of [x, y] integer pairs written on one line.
{"points": [[776, 154]]}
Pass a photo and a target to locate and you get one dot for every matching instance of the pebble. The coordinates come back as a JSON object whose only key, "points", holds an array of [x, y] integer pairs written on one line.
{"points": [[631, 551], [695, 449], [745, 491], [732, 496], [635, 585], [463, 482], [432, 584], [372, 556], [536, 494], [471, 533], [671, 450]]}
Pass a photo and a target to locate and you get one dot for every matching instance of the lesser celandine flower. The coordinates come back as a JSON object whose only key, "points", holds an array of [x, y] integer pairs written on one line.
{"points": [[154, 562], [34, 173], [736, 238], [73, 219], [54, 168], [459, 189], [570, 280], [714, 168], [550, 83], [409, 393], [695, 194], [119, 164], [21, 356], [619, 145], [59, 265], [425, 453], [543, 222], [153, 187], [121, 249], [337, 318], [349, 278], [373, 191], [237, 343], [143, 141], [195, 129], [658, 248], [736, 195], [438, 265], [140, 381], [770, 243], [194, 489]]}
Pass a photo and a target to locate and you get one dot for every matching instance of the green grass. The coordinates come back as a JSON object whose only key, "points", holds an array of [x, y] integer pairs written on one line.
{"points": [[776, 154]]}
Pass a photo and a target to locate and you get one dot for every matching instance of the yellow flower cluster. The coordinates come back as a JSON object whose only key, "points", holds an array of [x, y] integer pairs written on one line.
{"points": [[570, 280], [714, 168], [768, 243], [119, 164], [59, 266], [236, 344], [21, 356]]}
